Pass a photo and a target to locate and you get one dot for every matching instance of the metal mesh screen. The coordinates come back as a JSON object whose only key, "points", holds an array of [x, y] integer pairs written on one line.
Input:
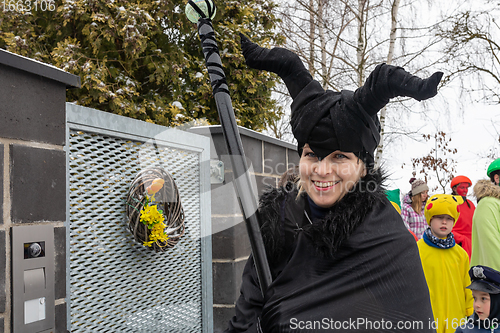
{"points": [[116, 284]]}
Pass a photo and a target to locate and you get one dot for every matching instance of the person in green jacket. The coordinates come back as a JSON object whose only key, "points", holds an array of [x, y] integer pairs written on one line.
{"points": [[486, 220]]}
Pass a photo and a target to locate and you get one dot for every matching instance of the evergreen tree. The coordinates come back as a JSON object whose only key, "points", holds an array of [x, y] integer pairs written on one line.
{"points": [[143, 59]]}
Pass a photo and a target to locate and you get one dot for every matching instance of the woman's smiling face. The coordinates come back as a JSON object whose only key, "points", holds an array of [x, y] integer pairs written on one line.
{"points": [[328, 180]]}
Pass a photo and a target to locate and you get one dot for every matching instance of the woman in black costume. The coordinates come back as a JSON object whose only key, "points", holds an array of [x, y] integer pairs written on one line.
{"points": [[340, 256]]}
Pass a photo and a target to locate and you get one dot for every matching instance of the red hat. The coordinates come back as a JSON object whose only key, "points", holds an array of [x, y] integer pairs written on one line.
{"points": [[460, 179]]}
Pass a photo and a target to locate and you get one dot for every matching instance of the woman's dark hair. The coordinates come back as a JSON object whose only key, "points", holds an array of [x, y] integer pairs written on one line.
{"points": [[366, 158], [492, 175], [454, 190]]}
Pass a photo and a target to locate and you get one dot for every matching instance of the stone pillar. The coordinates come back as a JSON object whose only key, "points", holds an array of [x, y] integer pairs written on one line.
{"points": [[268, 158], [32, 166]]}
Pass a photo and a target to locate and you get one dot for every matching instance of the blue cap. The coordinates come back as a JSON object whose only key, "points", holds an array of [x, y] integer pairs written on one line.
{"points": [[484, 279]]}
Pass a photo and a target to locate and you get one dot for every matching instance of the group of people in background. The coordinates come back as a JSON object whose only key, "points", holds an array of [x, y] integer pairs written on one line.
{"points": [[459, 246]]}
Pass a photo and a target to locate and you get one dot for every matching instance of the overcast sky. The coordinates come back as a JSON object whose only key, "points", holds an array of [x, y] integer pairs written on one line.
{"points": [[470, 125]]}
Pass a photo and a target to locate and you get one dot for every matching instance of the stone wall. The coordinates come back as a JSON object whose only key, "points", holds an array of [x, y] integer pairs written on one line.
{"points": [[32, 166]]}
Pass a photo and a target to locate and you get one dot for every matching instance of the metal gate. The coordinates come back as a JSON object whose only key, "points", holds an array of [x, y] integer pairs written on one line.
{"points": [[116, 284]]}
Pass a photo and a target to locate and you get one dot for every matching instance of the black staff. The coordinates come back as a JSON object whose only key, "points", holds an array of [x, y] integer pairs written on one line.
{"points": [[242, 182]]}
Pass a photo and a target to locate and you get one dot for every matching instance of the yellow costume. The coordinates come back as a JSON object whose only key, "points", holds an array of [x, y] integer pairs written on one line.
{"points": [[446, 270], [447, 275]]}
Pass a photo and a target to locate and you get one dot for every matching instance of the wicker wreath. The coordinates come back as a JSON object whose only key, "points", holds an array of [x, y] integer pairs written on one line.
{"points": [[166, 199]]}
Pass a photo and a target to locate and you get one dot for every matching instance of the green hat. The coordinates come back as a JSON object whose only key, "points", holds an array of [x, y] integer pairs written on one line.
{"points": [[494, 166]]}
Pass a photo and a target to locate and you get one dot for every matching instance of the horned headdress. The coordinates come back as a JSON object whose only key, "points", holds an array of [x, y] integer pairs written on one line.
{"points": [[346, 120]]}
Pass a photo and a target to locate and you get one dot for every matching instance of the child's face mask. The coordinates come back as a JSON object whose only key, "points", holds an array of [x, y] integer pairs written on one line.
{"points": [[462, 189]]}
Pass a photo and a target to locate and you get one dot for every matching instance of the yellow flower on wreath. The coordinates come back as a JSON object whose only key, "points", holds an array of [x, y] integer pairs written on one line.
{"points": [[150, 215], [153, 219], [157, 234]]}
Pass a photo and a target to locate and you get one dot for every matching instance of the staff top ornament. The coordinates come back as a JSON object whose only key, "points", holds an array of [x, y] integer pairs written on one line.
{"points": [[196, 9]]}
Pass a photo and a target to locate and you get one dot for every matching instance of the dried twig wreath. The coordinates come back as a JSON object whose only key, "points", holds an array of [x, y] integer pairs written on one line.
{"points": [[154, 210]]}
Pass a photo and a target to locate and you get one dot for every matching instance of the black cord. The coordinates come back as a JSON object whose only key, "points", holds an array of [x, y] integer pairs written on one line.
{"points": [[209, 45]]}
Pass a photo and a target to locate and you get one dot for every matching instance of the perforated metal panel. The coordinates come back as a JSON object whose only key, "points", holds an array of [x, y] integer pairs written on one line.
{"points": [[116, 284]]}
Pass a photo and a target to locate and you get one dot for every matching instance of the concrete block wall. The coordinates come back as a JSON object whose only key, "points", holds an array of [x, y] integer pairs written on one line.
{"points": [[32, 166], [268, 158]]}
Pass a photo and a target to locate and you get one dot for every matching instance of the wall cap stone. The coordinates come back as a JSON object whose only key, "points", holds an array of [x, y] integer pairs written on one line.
{"points": [[217, 129], [39, 68]]}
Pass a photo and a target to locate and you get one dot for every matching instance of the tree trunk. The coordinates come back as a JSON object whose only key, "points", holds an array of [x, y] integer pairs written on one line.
{"points": [[312, 34], [360, 50], [322, 37], [383, 112]]}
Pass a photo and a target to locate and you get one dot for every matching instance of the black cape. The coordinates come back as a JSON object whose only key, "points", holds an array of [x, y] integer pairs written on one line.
{"points": [[371, 282]]}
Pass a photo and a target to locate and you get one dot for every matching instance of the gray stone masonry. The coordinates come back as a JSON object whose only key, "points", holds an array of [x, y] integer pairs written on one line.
{"points": [[61, 318], [1, 183], [60, 263], [38, 184], [32, 166], [3, 268], [267, 158], [28, 104]]}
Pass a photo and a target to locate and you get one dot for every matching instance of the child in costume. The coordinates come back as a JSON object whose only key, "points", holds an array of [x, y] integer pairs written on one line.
{"points": [[337, 249], [445, 265], [485, 288], [463, 227]]}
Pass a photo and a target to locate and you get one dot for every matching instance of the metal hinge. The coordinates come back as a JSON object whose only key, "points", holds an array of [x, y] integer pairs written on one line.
{"points": [[216, 172]]}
